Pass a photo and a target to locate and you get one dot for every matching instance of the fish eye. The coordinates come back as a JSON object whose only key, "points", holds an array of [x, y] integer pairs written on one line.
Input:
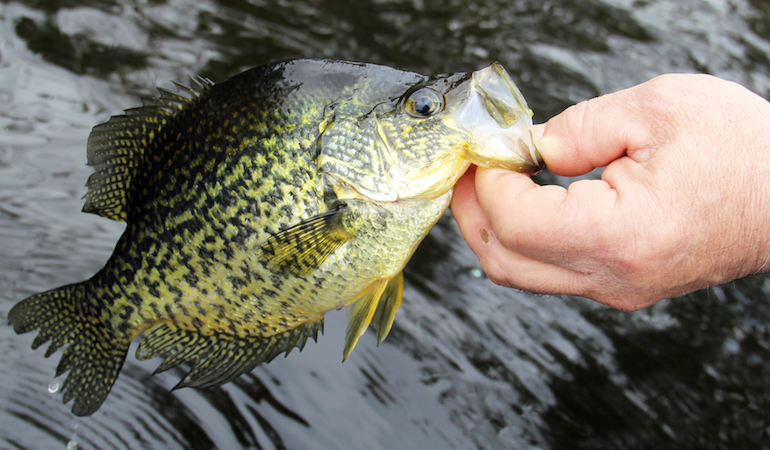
{"points": [[424, 103]]}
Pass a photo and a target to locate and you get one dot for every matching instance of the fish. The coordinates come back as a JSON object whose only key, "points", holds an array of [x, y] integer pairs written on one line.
{"points": [[256, 205]]}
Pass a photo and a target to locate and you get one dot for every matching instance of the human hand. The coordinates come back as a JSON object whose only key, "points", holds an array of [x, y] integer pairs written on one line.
{"points": [[683, 203]]}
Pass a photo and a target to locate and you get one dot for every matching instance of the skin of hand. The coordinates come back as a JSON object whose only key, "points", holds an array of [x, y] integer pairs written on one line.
{"points": [[683, 202]]}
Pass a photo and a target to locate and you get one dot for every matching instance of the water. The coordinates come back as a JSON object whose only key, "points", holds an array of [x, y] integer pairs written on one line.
{"points": [[468, 364]]}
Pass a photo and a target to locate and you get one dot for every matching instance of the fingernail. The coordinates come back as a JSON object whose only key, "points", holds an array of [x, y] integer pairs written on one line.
{"points": [[484, 235]]}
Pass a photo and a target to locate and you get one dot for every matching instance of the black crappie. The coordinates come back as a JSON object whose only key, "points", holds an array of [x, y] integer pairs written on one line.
{"points": [[255, 206]]}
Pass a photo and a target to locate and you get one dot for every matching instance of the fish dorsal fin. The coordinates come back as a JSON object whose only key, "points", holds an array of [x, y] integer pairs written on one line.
{"points": [[116, 148], [219, 358], [304, 247], [378, 303]]}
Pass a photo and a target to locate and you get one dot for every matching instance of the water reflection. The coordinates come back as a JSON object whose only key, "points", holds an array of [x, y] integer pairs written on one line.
{"points": [[468, 364]]}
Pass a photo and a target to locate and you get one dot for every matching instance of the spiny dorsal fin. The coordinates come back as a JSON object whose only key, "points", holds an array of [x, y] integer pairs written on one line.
{"points": [[379, 302], [116, 147], [218, 358], [304, 247]]}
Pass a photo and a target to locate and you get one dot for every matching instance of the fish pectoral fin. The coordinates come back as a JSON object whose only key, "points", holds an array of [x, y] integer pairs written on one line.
{"points": [[377, 304], [304, 247], [219, 358]]}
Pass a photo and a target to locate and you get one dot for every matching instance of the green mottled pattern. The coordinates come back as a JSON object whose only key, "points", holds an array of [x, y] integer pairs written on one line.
{"points": [[253, 207]]}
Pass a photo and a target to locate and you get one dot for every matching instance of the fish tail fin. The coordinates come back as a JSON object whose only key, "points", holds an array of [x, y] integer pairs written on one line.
{"points": [[95, 354]]}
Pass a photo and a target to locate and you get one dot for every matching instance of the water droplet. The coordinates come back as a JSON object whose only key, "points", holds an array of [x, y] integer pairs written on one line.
{"points": [[477, 273], [53, 387], [72, 445]]}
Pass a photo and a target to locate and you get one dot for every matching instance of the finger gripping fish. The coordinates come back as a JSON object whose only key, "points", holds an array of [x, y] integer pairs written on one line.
{"points": [[256, 205]]}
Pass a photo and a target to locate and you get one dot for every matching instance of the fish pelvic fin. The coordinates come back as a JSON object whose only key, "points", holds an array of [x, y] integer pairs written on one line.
{"points": [[304, 247], [218, 358], [95, 354], [377, 305], [388, 306], [116, 148]]}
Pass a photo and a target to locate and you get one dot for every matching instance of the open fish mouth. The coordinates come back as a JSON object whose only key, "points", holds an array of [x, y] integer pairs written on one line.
{"points": [[499, 121]]}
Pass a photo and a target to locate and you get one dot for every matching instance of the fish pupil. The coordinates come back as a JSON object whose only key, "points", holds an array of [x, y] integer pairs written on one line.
{"points": [[424, 103]]}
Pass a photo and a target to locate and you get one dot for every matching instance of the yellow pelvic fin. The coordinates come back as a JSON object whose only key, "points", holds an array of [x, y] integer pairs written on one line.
{"points": [[390, 303], [304, 247], [379, 301]]}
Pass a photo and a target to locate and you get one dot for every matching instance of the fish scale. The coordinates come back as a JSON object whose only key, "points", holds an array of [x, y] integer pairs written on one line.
{"points": [[255, 206]]}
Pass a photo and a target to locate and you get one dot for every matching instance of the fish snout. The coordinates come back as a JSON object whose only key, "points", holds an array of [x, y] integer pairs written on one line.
{"points": [[499, 121]]}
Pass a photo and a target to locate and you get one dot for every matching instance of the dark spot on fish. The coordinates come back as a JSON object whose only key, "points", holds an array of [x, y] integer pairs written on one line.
{"points": [[127, 311], [271, 201], [124, 327], [184, 260], [185, 310], [237, 282], [205, 254], [201, 310], [191, 278], [170, 312], [220, 311], [135, 299], [276, 280], [176, 291], [152, 287], [248, 316], [197, 323]]}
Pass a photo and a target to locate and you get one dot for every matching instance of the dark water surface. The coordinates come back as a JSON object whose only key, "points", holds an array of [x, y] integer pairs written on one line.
{"points": [[468, 364]]}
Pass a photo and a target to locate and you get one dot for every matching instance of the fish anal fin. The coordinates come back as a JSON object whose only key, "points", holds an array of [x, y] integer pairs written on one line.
{"points": [[219, 358], [304, 247]]}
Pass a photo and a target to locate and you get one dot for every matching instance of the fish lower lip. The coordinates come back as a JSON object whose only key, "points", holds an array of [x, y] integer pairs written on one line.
{"points": [[526, 157]]}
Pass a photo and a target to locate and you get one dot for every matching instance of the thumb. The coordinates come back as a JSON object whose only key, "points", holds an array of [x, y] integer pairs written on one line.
{"points": [[592, 134]]}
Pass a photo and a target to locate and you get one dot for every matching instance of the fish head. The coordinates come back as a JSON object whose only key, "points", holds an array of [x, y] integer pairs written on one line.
{"points": [[399, 135]]}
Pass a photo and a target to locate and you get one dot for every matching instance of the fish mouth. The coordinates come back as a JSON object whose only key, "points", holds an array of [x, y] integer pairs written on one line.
{"points": [[499, 121]]}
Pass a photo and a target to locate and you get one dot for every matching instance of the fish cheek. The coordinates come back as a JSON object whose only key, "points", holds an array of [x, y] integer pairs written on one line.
{"points": [[355, 160]]}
